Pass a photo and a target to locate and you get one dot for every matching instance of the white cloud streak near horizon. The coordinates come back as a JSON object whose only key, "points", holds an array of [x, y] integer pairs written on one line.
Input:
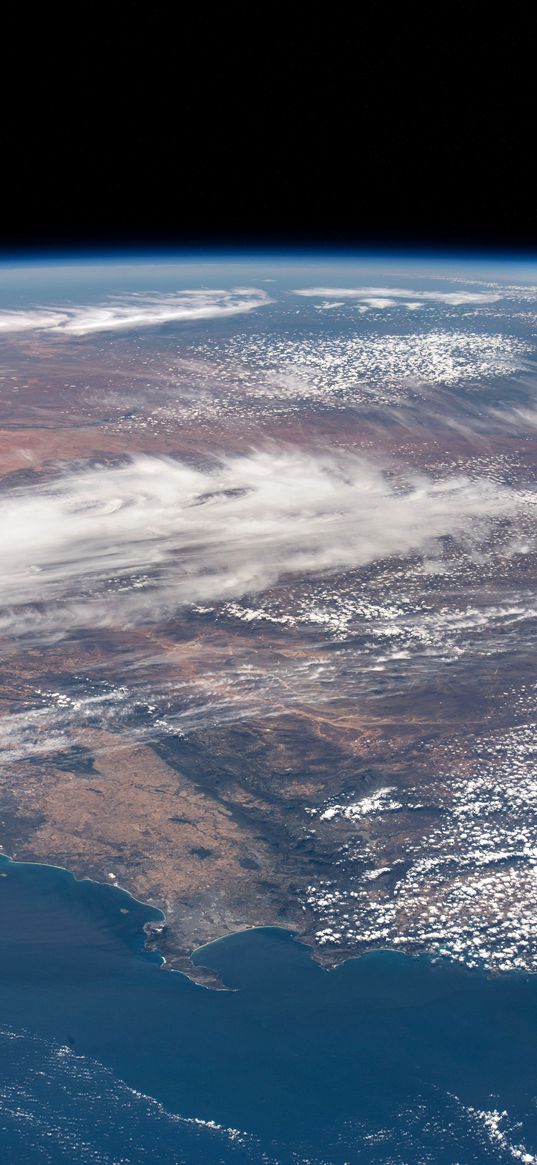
{"points": [[382, 297], [130, 544], [134, 311]]}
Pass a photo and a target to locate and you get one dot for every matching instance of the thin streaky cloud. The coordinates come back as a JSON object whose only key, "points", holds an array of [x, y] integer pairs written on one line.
{"points": [[134, 543], [388, 294], [134, 311]]}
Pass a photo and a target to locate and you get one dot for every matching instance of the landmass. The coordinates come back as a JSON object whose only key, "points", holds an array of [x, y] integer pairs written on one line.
{"points": [[349, 755]]}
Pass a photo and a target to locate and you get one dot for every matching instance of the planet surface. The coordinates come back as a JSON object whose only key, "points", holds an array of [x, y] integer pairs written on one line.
{"points": [[268, 608]]}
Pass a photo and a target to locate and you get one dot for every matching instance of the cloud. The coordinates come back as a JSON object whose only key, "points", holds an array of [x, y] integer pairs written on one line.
{"points": [[385, 296], [167, 697], [370, 368], [134, 311], [130, 544], [378, 303]]}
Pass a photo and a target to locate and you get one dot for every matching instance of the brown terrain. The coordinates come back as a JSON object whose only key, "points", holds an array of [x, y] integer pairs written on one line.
{"points": [[224, 826]]}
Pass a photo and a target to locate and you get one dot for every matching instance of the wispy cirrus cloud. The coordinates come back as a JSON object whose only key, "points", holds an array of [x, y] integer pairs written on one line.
{"points": [[382, 297], [133, 543], [135, 310]]}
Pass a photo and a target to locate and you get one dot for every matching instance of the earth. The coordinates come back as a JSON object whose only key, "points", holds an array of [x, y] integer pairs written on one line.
{"points": [[269, 596]]}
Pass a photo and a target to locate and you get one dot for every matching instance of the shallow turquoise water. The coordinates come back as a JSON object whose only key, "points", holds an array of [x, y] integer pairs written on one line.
{"points": [[386, 1059]]}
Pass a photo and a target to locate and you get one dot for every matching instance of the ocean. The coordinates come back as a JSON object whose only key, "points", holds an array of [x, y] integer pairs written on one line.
{"points": [[108, 1059]]}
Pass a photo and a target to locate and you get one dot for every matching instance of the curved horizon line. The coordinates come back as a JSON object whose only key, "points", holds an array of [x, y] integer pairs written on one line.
{"points": [[102, 253]]}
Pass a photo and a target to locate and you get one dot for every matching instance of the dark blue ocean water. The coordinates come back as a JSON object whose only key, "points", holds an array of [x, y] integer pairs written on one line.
{"points": [[105, 1058]]}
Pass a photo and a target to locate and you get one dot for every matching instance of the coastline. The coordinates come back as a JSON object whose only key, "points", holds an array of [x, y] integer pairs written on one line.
{"points": [[204, 976], [154, 930], [317, 1050]]}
